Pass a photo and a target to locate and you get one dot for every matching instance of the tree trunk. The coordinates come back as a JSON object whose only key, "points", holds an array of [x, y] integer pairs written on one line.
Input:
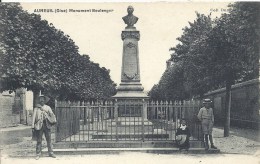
{"points": [[227, 108], [35, 96]]}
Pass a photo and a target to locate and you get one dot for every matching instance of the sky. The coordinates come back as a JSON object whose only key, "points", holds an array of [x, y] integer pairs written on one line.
{"points": [[98, 34]]}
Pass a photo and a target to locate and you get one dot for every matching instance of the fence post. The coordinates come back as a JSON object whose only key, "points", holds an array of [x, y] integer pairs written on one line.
{"points": [[184, 107], [170, 112], [171, 119], [116, 118], [92, 111], [69, 118], [144, 115], [79, 114], [88, 117], [152, 115], [98, 111], [176, 112], [157, 109], [166, 111], [112, 111], [161, 110], [145, 109]]}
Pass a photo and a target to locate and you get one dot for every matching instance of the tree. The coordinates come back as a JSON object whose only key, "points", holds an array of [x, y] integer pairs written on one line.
{"points": [[233, 48], [37, 56], [190, 52], [189, 75], [156, 93], [218, 53], [171, 85]]}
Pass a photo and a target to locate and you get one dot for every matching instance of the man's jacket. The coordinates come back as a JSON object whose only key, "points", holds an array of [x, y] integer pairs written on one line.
{"points": [[41, 113]]}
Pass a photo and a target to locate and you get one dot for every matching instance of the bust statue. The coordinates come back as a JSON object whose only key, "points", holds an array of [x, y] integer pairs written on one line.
{"points": [[130, 19]]}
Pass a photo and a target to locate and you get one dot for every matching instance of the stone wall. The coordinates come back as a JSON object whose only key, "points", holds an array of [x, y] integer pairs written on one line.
{"points": [[244, 104], [7, 116], [24, 104], [16, 108]]}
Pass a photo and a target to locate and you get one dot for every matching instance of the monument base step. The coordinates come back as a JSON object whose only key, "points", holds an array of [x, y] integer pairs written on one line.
{"points": [[82, 151], [130, 125], [124, 144], [132, 136], [130, 129], [129, 121]]}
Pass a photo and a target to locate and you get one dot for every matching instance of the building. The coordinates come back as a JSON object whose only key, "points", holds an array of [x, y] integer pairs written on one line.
{"points": [[16, 108]]}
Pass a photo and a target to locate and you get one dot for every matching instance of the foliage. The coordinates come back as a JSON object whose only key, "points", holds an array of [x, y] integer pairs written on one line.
{"points": [[234, 49], [233, 44], [192, 55], [171, 86], [37, 56], [217, 53], [214, 52], [189, 75]]}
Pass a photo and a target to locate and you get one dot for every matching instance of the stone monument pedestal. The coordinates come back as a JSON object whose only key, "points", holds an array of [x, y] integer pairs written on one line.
{"points": [[130, 115], [131, 111], [132, 126]]}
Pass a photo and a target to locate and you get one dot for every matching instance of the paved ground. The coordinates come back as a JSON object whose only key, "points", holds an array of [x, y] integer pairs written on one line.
{"points": [[143, 158], [17, 142], [243, 146], [240, 141]]}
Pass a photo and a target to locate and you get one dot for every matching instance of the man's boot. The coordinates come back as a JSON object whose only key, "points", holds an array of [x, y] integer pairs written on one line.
{"points": [[206, 142], [211, 142], [52, 155]]}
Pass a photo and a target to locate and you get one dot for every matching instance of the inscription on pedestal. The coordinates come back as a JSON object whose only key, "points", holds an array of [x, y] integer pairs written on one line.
{"points": [[130, 61], [130, 34], [130, 110]]}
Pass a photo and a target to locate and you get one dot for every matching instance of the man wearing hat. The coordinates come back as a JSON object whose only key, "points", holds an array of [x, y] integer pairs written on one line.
{"points": [[206, 117], [41, 125]]}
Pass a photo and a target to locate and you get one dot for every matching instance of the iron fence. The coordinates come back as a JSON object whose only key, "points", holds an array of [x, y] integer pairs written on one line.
{"points": [[124, 120]]}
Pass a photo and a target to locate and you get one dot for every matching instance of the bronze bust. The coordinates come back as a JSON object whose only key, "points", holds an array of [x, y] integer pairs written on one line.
{"points": [[130, 19]]}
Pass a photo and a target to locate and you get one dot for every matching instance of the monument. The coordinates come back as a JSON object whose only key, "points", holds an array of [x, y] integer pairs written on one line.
{"points": [[130, 90], [130, 96]]}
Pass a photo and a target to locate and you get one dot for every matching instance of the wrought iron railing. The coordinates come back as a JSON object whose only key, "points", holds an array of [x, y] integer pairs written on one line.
{"points": [[124, 120]]}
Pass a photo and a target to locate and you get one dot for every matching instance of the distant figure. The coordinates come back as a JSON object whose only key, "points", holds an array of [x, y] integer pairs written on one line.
{"points": [[41, 124], [183, 136], [130, 19], [206, 117]]}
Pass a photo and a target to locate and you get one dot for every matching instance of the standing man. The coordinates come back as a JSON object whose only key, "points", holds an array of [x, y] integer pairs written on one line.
{"points": [[41, 125], [206, 117]]}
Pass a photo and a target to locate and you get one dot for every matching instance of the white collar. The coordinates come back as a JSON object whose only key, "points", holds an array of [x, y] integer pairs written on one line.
{"points": [[183, 127]]}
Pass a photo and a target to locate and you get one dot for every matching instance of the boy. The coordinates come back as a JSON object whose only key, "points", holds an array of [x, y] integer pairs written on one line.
{"points": [[206, 117]]}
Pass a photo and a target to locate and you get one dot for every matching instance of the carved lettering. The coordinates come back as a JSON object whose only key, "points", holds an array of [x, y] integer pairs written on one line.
{"points": [[130, 61], [130, 34]]}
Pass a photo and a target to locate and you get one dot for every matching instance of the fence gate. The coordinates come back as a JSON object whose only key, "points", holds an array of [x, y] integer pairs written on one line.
{"points": [[121, 121]]}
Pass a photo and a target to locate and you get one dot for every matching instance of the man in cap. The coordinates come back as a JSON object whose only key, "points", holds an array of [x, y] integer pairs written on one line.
{"points": [[41, 125], [206, 117]]}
